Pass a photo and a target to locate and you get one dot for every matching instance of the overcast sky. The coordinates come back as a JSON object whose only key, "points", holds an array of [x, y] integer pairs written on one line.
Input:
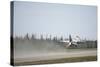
{"points": [[55, 19]]}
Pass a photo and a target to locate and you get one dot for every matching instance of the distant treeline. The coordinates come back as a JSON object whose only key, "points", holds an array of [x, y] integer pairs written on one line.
{"points": [[50, 37], [33, 36], [80, 44]]}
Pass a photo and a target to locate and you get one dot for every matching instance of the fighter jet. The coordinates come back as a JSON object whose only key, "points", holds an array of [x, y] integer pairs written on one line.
{"points": [[71, 42]]}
